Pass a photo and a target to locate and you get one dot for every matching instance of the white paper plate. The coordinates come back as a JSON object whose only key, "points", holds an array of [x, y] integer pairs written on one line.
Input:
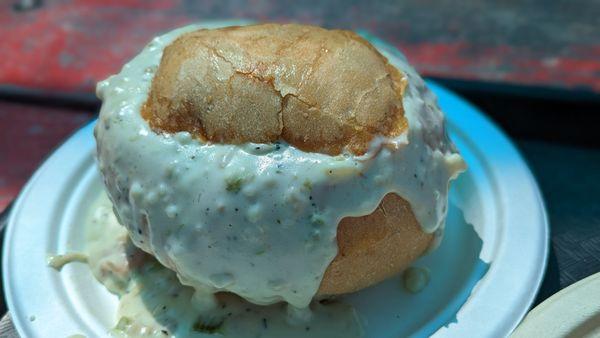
{"points": [[572, 312], [483, 277]]}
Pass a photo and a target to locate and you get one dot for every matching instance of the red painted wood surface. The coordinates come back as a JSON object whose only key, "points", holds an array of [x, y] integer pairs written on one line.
{"points": [[68, 45], [28, 134]]}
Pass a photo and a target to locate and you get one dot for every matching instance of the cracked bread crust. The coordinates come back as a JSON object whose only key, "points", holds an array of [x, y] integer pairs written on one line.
{"points": [[319, 90]]}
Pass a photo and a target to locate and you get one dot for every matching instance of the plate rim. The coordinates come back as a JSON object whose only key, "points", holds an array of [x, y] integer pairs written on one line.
{"points": [[469, 111], [537, 323]]}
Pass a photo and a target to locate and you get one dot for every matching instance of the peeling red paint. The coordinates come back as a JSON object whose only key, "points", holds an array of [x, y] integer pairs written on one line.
{"points": [[60, 50], [490, 64], [70, 45], [29, 133]]}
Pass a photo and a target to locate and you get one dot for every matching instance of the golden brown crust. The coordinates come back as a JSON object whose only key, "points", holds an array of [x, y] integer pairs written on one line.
{"points": [[374, 247], [320, 90]]}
